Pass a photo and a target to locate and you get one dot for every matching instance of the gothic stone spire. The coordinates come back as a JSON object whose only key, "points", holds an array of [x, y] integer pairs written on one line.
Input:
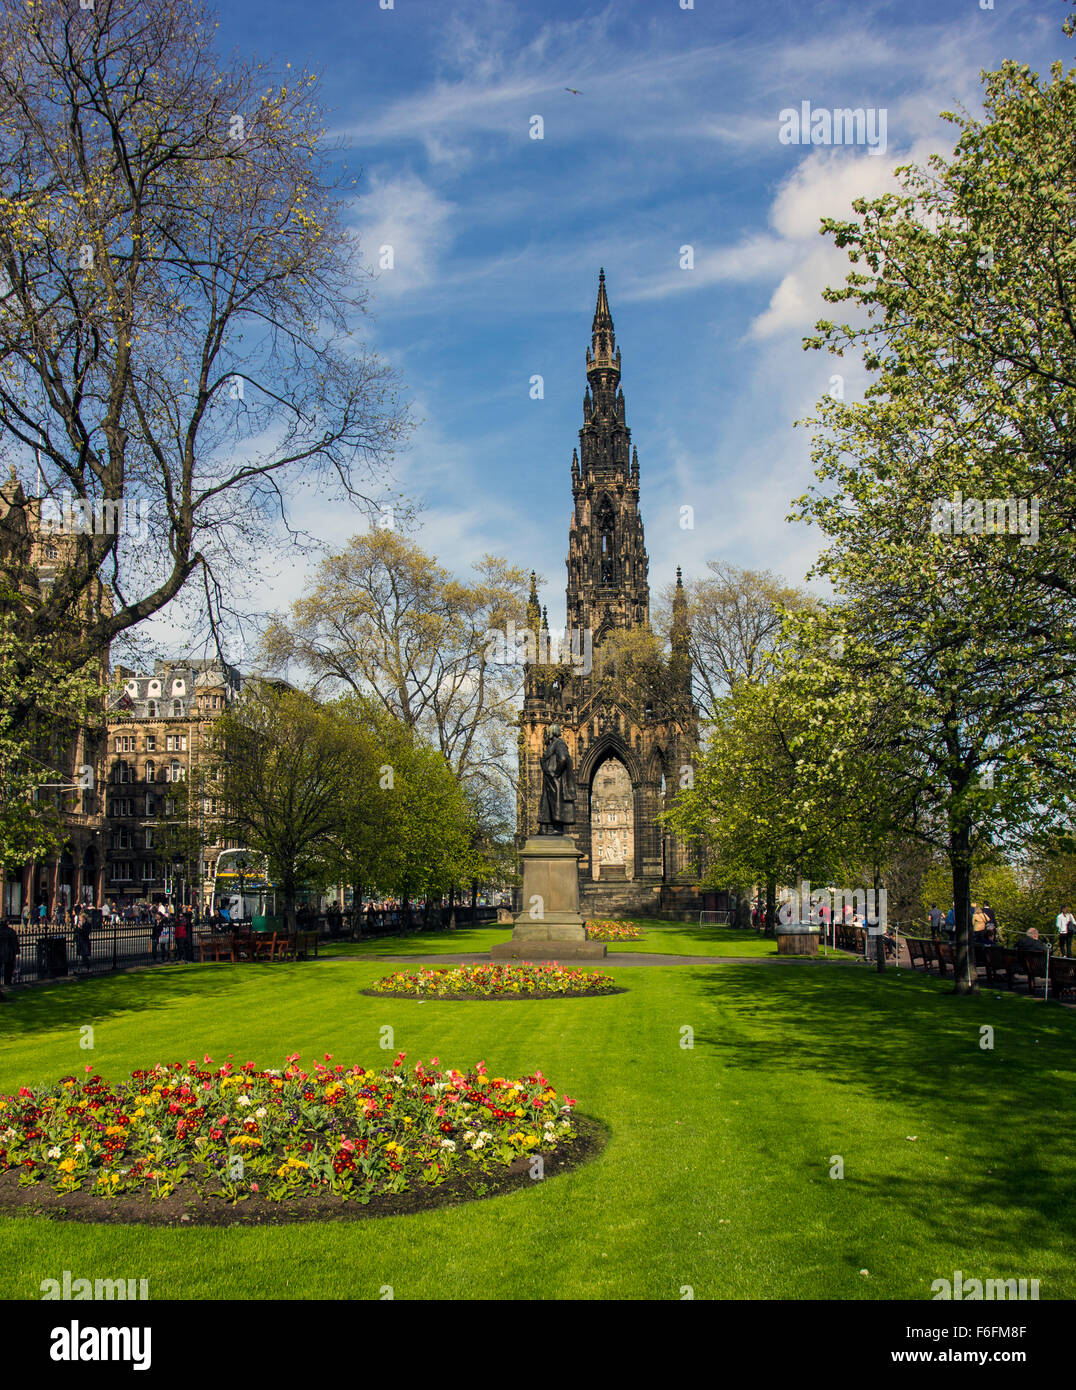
{"points": [[607, 560]]}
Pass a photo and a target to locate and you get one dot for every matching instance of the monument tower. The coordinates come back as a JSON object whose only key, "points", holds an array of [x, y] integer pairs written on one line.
{"points": [[630, 754]]}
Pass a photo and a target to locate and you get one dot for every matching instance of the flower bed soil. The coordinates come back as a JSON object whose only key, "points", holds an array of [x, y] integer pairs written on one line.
{"points": [[492, 998], [185, 1210], [185, 1142], [521, 980]]}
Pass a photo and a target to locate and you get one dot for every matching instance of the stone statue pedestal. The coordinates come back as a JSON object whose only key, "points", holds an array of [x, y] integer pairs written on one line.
{"points": [[550, 927]]}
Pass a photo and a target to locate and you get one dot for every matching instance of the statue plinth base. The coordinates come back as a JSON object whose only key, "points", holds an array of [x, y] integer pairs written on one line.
{"points": [[550, 927]]}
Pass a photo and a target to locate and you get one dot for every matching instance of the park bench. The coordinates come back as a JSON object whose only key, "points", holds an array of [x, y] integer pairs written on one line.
{"points": [[1062, 975], [946, 957], [1002, 960], [922, 949], [218, 943], [1033, 965], [305, 943]]}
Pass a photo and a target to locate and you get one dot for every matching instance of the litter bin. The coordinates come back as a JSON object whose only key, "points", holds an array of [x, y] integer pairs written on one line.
{"points": [[51, 957], [797, 939]]}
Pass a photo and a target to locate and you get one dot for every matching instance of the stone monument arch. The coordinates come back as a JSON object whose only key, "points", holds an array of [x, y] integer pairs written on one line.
{"points": [[608, 591]]}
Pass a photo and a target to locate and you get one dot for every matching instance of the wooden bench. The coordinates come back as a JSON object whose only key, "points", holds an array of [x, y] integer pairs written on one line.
{"points": [[305, 943], [216, 943], [1062, 975], [1033, 965], [923, 949]]}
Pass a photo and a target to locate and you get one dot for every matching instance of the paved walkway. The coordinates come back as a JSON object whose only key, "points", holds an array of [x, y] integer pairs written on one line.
{"points": [[620, 958]]}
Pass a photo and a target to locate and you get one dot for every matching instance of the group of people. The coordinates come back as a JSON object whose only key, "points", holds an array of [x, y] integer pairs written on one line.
{"points": [[984, 923]]}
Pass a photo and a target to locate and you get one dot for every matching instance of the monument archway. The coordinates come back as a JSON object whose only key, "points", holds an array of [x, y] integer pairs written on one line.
{"points": [[612, 823]]}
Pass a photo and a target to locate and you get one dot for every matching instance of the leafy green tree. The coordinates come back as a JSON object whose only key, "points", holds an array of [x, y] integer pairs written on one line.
{"points": [[757, 801], [405, 827], [40, 774], [286, 768], [960, 635]]}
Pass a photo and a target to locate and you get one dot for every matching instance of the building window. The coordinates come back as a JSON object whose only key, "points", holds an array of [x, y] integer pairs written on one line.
{"points": [[176, 743], [151, 772], [177, 772], [151, 743], [149, 839], [177, 708], [151, 709], [121, 871]]}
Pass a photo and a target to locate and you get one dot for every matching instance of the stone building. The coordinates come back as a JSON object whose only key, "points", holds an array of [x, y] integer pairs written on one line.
{"points": [[631, 751], [31, 556], [160, 840]]}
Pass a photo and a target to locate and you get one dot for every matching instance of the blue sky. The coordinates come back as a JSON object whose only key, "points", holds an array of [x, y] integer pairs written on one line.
{"points": [[673, 141]]}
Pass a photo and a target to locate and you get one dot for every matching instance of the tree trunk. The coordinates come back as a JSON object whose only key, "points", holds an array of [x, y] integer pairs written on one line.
{"points": [[356, 910], [474, 900], [289, 906], [960, 859], [771, 907], [406, 915], [879, 942]]}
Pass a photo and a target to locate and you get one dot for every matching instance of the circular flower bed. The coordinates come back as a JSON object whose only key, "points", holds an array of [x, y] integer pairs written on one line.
{"points": [[256, 1137], [614, 931], [525, 980]]}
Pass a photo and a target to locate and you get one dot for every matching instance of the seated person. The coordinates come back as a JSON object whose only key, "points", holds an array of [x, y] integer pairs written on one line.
{"points": [[1030, 941]]}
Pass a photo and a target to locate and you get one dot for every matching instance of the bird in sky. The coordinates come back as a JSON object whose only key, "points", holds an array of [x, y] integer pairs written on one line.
{"points": [[573, 91]]}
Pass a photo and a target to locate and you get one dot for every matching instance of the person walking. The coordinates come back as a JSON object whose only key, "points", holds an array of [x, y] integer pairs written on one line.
{"points": [[936, 918], [156, 927], [183, 937], [991, 924], [1066, 926], [82, 938]]}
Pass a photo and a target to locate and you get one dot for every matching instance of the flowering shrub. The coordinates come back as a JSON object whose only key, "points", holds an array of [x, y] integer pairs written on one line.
{"points": [[613, 931], [237, 1133], [493, 981]]}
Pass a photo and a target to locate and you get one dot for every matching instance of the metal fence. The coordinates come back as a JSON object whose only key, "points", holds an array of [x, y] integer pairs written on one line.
{"points": [[48, 952]]}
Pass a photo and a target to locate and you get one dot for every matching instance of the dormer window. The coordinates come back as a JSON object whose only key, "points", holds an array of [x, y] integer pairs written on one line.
{"points": [[177, 708]]}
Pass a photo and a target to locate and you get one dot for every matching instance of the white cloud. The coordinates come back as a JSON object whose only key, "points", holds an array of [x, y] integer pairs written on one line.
{"points": [[403, 213], [823, 185]]}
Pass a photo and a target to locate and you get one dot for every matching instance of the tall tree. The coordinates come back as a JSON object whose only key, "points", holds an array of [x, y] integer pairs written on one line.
{"points": [[734, 619], [177, 298], [286, 768], [963, 629], [406, 826], [383, 619]]}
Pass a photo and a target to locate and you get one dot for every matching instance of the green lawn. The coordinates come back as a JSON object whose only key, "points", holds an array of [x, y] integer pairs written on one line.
{"points": [[659, 938], [716, 1174]]}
